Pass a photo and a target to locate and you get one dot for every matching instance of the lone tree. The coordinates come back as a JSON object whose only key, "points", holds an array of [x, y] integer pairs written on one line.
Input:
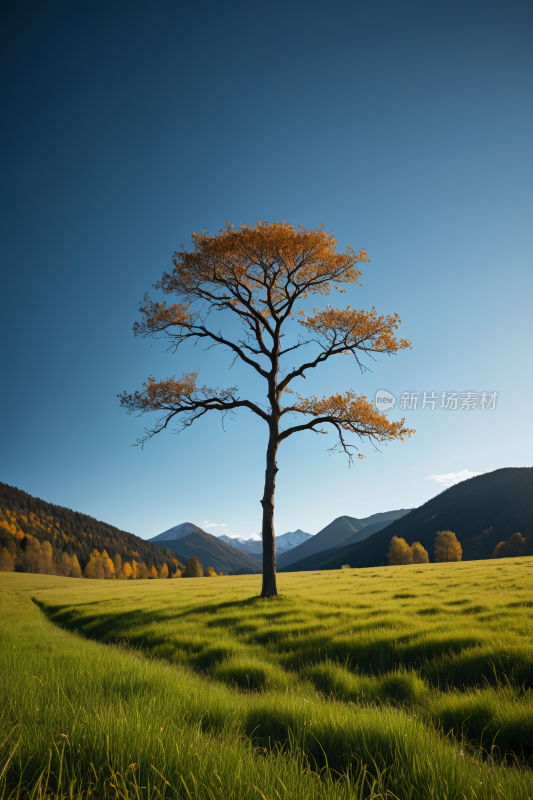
{"points": [[260, 274], [193, 569], [447, 547]]}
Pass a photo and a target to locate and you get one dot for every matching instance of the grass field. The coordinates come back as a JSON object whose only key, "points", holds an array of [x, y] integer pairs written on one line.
{"points": [[403, 682]]}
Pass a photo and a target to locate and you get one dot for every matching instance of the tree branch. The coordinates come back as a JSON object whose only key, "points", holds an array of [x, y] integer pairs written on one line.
{"points": [[181, 397]]}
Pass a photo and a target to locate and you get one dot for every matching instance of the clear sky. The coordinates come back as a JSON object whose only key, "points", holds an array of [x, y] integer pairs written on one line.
{"points": [[407, 127]]}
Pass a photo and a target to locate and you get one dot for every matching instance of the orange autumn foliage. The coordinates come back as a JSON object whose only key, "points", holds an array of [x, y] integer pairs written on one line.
{"points": [[420, 554], [356, 328], [219, 263], [163, 394], [399, 552], [353, 413]]}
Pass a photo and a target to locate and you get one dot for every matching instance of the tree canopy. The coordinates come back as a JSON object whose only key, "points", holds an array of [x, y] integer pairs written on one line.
{"points": [[399, 552], [447, 548]]}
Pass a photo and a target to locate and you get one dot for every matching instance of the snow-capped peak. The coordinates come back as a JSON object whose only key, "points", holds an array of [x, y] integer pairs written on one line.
{"points": [[177, 532]]}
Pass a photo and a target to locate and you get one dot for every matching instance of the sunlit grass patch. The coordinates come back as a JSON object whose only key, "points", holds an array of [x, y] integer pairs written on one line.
{"points": [[251, 674], [344, 685], [420, 676]]}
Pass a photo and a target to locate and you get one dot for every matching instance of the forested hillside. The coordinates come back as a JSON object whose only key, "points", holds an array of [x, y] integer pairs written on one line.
{"points": [[482, 512], [36, 536]]}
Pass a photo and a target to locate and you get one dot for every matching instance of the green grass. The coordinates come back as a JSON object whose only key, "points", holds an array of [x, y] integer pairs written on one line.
{"points": [[410, 682]]}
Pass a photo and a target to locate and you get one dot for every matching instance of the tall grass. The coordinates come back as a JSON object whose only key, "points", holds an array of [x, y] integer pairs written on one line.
{"points": [[345, 687]]}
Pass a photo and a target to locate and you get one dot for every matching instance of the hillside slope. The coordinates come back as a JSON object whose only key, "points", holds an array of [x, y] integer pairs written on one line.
{"points": [[190, 540], [364, 533], [481, 511], [69, 531], [333, 534], [334, 554]]}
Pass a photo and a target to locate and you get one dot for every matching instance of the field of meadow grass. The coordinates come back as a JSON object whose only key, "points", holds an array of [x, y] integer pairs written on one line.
{"points": [[398, 682]]}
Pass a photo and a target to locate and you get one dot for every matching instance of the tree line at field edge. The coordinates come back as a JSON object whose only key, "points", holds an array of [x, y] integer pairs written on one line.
{"points": [[448, 548]]}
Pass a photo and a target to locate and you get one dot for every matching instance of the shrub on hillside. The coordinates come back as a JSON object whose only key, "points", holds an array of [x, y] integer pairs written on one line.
{"points": [[447, 548], [399, 552], [419, 553], [209, 572], [515, 546], [193, 569]]}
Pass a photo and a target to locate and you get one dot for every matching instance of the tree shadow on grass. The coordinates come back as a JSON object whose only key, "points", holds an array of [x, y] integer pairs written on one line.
{"points": [[138, 627]]}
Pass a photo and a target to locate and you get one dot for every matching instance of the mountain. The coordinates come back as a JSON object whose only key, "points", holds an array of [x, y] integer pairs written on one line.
{"points": [[284, 542], [386, 516], [334, 554], [334, 534], [251, 546], [177, 532], [23, 516], [364, 533], [190, 540], [287, 541], [481, 511]]}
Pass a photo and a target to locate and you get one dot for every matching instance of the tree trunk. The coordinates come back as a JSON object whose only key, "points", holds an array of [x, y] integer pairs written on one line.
{"points": [[270, 588]]}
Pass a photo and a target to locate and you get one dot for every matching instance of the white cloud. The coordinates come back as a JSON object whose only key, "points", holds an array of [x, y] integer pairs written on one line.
{"points": [[206, 524], [451, 478]]}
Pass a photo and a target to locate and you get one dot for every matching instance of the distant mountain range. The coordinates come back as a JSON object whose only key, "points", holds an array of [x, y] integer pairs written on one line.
{"points": [[190, 540], [284, 543], [340, 531], [481, 511], [244, 556]]}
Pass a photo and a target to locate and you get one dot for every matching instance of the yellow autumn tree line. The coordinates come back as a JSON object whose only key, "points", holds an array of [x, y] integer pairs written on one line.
{"points": [[100, 567], [38, 557], [447, 548]]}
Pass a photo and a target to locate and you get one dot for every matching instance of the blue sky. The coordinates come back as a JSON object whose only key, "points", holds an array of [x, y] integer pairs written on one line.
{"points": [[404, 127]]}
